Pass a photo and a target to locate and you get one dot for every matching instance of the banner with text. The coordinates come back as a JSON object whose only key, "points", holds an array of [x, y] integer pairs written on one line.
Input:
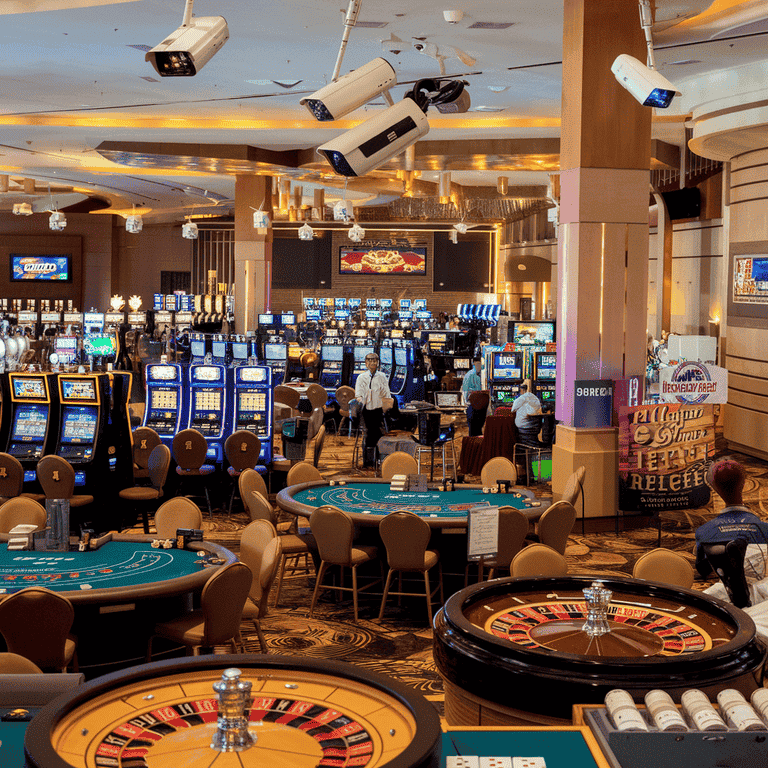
{"points": [[693, 383], [664, 453]]}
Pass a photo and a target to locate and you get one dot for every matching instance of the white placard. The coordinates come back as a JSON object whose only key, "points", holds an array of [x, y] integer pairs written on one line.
{"points": [[693, 383], [483, 533]]}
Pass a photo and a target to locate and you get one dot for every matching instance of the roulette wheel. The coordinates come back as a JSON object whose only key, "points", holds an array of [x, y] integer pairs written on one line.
{"points": [[298, 713], [518, 651]]}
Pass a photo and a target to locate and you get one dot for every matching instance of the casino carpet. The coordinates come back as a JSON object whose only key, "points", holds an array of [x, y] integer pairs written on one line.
{"points": [[401, 644]]}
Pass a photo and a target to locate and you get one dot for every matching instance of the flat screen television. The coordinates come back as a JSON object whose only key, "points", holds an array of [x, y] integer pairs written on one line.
{"points": [[275, 352], [533, 333], [389, 261], [100, 345], [333, 352], [314, 314], [26, 267]]}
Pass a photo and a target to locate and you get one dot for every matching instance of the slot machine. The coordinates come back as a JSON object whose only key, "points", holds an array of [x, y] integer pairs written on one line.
{"points": [[239, 346], [100, 348], [386, 358], [28, 322], [276, 357], [34, 418], [402, 372], [167, 400], [545, 375], [362, 346], [5, 401], [208, 406], [198, 347], [74, 323], [221, 350], [505, 377], [64, 352], [332, 361], [532, 337], [253, 405]]}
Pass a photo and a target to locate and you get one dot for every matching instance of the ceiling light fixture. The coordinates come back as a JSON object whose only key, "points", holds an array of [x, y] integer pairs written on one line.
{"points": [[22, 209], [356, 233], [187, 50], [57, 221], [189, 231], [134, 223]]}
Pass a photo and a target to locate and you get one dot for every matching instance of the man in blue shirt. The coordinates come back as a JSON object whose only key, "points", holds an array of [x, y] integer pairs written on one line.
{"points": [[727, 478], [473, 383]]}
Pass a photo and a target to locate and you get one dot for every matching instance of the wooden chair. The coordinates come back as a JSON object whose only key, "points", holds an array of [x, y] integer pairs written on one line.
{"points": [[344, 395], [334, 530], [555, 526], [217, 621], [538, 560], [251, 480], [287, 396], [141, 495], [513, 528], [145, 440], [317, 447], [302, 473], [57, 477], [190, 449], [317, 396], [398, 463], [261, 550], [35, 623], [498, 468], [13, 664], [12, 480], [406, 537], [664, 566], [22, 511], [242, 449], [179, 512]]}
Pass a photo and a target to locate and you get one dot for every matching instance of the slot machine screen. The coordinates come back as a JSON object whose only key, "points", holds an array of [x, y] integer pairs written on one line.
{"points": [[219, 348], [340, 302], [78, 389], [385, 355], [401, 357], [207, 409], [332, 352], [437, 342], [308, 302], [371, 303], [341, 314], [547, 396], [506, 366], [405, 303], [538, 334], [406, 315], [240, 350], [197, 347], [275, 352], [314, 314], [251, 407], [165, 400], [546, 367], [29, 424], [65, 347], [79, 425], [505, 396], [266, 319], [361, 351], [423, 314], [385, 303], [29, 389], [373, 314], [353, 303], [100, 345], [461, 363], [288, 319], [420, 304]]}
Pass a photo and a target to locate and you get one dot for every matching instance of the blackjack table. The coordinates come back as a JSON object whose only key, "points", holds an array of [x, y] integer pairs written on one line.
{"points": [[514, 651], [304, 713], [368, 501]]}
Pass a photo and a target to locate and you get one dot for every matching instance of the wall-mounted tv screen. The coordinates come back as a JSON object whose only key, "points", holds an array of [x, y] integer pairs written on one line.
{"points": [[390, 261], [43, 268], [534, 333], [313, 314]]}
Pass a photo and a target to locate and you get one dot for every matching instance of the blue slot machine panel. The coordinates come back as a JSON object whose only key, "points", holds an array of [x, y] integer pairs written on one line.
{"points": [[29, 430], [507, 367], [208, 404], [546, 366], [78, 432], [276, 357], [164, 400], [253, 405]]}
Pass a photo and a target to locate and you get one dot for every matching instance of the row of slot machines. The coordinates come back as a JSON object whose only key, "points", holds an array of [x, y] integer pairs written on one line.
{"points": [[81, 417], [214, 399], [450, 350], [508, 370]]}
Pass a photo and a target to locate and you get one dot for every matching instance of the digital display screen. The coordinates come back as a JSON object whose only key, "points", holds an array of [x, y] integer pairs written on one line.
{"points": [[100, 345], [207, 399], [505, 396], [93, 321], [78, 389], [340, 302], [420, 304], [448, 399], [373, 314], [406, 315], [255, 374], [423, 314], [41, 268], [341, 314], [308, 303], [405, 303], [547, 396], [461, 363], [29, 389], [165, 399], [314, 314], [219, 348], [385, 303], [240, 350], [760, 270], [361, 352], [390, 261], [332, 352], [371, 303], [385, 355], [547, 361], [252, 402], [197, 347], [506, 366], [537, 334], [288, 319], [114, 317], [162, 373], [266, 319], [30, 423], [275, 352], [401, 358], [65, 345], [171, 302], [206, 373], [79, 425], [354, 303], [73, 317]]}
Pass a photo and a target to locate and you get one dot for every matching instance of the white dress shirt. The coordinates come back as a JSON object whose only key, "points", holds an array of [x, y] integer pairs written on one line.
{"points": [[370, 389], [524, 406]]}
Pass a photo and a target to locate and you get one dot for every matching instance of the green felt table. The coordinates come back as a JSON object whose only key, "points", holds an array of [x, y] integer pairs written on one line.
{"points": [[368, 501], [12, 744], [125, 569]]}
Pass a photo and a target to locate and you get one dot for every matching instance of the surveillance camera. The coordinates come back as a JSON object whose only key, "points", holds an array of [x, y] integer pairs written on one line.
{"points": [[455, 103], [57, 221], [189, 231], [419, 46], [453, 17], [648, 87], [352, 90], [187, 50], [306, 232], [356, 233], [368, 145], [134, 224]]}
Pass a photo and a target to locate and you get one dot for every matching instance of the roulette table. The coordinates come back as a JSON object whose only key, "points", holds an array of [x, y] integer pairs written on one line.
{"points": [[123, 570], [304, 713], [367, 502], [514, 651]]}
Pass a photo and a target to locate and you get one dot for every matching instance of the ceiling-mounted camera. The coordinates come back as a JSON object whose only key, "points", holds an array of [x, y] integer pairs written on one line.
{"points": [[648, 86], [189, 231]]}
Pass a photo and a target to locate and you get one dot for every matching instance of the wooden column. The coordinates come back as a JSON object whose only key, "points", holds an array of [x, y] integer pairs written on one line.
{"points": [[253, 251], [603, 234]]}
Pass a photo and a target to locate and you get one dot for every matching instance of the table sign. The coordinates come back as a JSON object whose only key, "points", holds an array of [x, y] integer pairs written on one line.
{"points": [[482, 532]]}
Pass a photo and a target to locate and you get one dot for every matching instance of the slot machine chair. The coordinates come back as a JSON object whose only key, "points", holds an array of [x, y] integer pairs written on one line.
{"points": [[145, 440], [142, 495], [190, 449], [57, 477], [242, 449], [555, 526], [344, 395], [664, 566], [22, 511], [12, 480], [178, 512], [727, 561]]}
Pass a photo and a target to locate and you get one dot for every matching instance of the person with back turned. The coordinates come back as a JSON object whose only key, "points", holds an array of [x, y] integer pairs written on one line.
{"points": [[473, 383], [370, 389]]}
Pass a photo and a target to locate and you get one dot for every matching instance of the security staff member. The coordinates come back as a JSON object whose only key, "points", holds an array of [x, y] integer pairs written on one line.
{"points": [[370, 391]]}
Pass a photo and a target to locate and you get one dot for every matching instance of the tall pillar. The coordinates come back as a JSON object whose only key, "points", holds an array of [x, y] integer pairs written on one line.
{"points": [[253, 251], [603, 234]]}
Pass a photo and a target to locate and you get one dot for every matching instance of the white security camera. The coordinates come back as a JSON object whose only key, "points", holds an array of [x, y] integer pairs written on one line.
{"points": [[57, 221], [187, 50], [134, 224], [306, 232], [352, 90], [189, 230], [356, 233], [368, 145], [453, 17], [648, 87]]}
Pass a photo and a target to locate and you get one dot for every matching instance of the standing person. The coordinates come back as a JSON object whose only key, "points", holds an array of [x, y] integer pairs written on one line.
{"points": [[473, 383], [370, 390]]}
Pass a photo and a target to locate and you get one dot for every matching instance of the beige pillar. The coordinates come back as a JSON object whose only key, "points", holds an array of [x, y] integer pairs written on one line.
{"points": [[253, 251], [603, 234]]}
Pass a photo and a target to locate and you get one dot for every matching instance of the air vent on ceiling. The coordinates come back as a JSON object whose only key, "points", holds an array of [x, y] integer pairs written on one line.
{"points": [[371, 24], [144, 48], [491, 25]]}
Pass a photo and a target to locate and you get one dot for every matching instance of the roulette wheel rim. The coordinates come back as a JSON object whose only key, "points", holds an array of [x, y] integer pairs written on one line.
{"points": [[39, 742], [476, 661]]}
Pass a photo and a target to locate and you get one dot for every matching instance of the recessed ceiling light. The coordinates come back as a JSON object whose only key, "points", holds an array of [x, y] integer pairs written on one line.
{"points": [[684, 61], [491, 25], [144, 48], [497, 88]]}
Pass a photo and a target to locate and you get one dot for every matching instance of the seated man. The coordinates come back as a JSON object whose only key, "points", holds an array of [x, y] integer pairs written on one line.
{"points": [[527, 404], [473, 383], [735, 521]]}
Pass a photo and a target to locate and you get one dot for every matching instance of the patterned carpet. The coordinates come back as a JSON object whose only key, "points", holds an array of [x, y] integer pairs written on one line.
{"points": [[401, 644]]}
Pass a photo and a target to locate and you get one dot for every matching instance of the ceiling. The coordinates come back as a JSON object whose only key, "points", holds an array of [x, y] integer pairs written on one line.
{"points": [[83, 112]]}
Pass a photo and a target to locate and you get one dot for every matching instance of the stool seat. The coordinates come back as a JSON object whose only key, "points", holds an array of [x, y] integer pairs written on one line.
{"points": [[81, 500], [362, 554], [294, 544], [206, 469], [140, 493], [38, 497]]}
